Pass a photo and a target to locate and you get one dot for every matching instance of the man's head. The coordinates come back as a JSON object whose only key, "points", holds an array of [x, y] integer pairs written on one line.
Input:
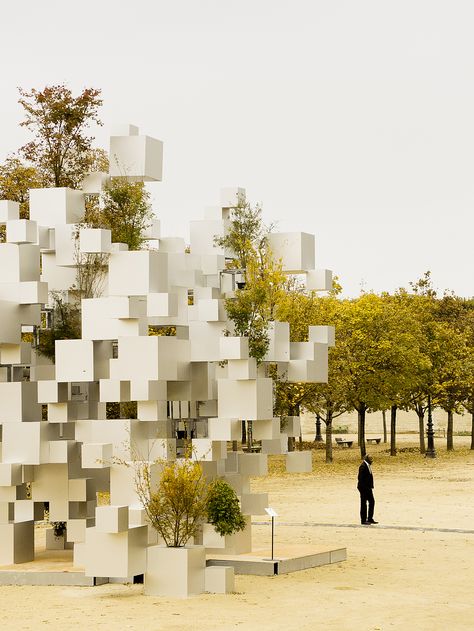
{"points": [[368, 458]]}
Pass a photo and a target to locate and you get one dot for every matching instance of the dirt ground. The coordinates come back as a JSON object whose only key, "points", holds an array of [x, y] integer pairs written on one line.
{"points": [[414, 571]]}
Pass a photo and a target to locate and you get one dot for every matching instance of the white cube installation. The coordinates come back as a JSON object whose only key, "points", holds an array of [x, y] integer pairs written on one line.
{"points": [[199, 383]]}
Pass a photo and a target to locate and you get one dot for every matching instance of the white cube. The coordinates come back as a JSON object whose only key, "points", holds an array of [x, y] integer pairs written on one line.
{"points": [[52, 206], [22, 231], [9, 211], [96, 455], [95, 240], [219, 579], [138, 158], [299, 462], [111, 518]]}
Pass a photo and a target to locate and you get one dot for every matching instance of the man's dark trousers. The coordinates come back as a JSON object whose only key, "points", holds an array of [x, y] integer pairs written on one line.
{"points": [[366, 497]]}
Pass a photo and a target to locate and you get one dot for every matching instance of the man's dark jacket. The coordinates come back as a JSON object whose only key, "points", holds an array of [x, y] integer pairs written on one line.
{"points": [[365, 480]]}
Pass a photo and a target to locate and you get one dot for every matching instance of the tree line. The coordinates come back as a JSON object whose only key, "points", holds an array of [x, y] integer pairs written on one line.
{"points": [[400, 351]]}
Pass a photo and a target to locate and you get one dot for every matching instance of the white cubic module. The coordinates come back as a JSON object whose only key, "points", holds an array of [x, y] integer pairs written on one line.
{"points": [[153, 230], [224, 429], [275, 445], [25, 442], [27, 510], [232, 196], [206, 449], [81, 489], [9, 211], [295, 250], [19, 262], [15, 353], [319, 280], [238, 543], [16, 542], [113, 390], [211, 310], [137, 158], [203, 235], [95, 240], [234, 347], [56, 206], [219, 579], [60, 451], [62, 412], [94, 183], [33, 292], [322, 335], [162, 304], [242, 368], [268, 429], [299, 462], [254, 503], [19, 401], [22, 231], [148, 390], [111, 518], [292, 425], [279, 342], [250, 400], [253, 464], [52, 392], [138, 273], [175, 572], [10, 474], [74, 360], [151, 411], [116, 555], [96, 455]]}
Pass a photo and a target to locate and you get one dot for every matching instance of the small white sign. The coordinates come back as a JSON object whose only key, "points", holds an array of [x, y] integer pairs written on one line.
{"points": [[271, 511]]}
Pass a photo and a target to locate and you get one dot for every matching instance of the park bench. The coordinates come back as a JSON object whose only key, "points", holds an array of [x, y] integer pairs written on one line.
{"points": [[374, 441], [341, 442]]}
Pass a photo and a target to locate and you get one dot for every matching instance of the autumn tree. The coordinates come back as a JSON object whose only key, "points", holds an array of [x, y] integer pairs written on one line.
{"points": [[61, 149], [16, 179], [125, 210], [327, 400]]}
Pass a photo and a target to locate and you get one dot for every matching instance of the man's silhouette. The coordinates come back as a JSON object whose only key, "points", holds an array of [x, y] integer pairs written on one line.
{"points": [[365, 484]]}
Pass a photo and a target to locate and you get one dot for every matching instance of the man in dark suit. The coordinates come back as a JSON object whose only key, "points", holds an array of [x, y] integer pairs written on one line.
{"points": [[365, 484]]}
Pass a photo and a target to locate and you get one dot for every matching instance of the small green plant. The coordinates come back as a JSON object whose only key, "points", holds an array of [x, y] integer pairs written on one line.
{"points": [[341, 429], [59, 528], [223, 509]]}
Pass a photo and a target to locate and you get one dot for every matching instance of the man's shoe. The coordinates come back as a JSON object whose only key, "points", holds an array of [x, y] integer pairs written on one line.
{"points": [[372, 521], [365, 523]]}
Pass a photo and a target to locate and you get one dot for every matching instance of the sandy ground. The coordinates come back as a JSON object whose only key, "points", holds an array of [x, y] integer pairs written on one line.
{"points": [[412, 572]]}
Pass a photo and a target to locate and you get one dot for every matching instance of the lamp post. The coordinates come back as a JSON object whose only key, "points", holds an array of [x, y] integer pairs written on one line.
{"points": [[318, 438], [430, 451]]}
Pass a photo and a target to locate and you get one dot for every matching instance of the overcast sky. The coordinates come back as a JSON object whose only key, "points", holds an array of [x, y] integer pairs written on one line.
{"points": [[350, 119]]}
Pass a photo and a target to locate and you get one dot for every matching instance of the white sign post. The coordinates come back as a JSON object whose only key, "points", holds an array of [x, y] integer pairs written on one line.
{"points": [[273, 514]]}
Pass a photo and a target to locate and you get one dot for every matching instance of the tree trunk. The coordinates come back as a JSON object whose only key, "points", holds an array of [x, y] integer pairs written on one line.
{"points": [[384, 420], [393, 430], [421, 428], [449, 434], [328, 437], [291, 443], [244, 433], [361, 422], [234, 446], [472, 430], [249, 436]]}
